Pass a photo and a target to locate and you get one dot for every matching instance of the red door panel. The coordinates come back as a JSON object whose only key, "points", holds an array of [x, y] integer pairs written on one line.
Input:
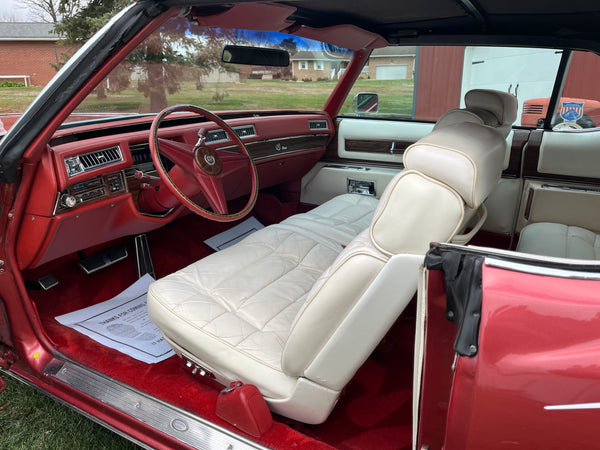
{"points": [[539, 354]]}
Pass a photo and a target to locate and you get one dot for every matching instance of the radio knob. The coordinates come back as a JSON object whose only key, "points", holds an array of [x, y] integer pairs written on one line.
{"points": [[68, 201]]}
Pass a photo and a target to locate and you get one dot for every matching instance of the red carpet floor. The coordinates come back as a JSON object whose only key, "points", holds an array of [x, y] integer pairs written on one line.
{"points": [[373, 413]]}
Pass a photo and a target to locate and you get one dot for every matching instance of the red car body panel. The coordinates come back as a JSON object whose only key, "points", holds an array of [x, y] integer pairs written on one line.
{"points": [[539, 346]]}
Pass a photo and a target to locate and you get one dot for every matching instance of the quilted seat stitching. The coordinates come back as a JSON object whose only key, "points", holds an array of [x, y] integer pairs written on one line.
{"points": [[228, 308], [271, 248], [277, 279]]}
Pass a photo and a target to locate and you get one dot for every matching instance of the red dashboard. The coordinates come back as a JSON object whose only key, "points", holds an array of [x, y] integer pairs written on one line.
{"points": [[87, 183]]}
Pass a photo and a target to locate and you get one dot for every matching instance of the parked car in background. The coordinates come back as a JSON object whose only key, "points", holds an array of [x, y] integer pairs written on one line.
{"points": [[313, 224]]}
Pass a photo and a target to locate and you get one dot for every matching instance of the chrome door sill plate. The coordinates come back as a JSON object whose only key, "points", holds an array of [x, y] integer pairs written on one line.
{"points": [[175, 422]]}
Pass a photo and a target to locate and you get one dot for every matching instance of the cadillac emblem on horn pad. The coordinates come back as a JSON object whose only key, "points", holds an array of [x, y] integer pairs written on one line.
{"points": [[208, 161]]}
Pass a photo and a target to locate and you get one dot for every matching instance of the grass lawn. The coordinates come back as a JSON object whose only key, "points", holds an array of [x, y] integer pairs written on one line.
{"points": [[395, 96], [30, 420]]}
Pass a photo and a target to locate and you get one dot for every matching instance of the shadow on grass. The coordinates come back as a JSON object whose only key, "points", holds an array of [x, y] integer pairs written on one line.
{"points": [[30, 420]]}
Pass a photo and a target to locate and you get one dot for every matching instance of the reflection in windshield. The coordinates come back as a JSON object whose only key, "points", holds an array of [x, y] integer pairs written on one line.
{"points": [[181, 64]]}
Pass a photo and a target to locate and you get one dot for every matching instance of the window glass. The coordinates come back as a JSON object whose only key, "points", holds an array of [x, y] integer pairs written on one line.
{"points": [[422, 83], [181, 63], [578, 106], [389, 73]]}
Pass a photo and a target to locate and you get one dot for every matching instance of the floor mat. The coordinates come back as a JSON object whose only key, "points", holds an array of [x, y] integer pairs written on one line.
{"points": [[122, 323], [234, 235]]}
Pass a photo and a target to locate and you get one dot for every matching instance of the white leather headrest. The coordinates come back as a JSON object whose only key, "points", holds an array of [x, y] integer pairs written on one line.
{"points": [[466, 156], [502, 104], [496, 109]]}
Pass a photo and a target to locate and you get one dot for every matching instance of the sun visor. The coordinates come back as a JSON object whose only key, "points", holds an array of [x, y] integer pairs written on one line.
{"points": [[347, 36], [248, 16]]}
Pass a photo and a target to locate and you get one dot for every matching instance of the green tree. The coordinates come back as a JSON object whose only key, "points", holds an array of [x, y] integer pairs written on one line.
{"points": [[177, 51], [81, 19]]}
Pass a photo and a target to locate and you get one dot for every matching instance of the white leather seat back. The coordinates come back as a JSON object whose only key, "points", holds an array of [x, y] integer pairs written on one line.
{"points": [[489, 107], [356, 300]]}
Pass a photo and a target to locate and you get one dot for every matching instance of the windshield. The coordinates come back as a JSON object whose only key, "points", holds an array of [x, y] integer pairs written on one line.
{"points": [[181, 64]]}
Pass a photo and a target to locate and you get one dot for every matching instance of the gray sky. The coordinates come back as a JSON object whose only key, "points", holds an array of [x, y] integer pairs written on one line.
{"points": [[14, 8]]}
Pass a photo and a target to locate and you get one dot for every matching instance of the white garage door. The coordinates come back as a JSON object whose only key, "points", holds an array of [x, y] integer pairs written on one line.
{"points": [[392, 72]]}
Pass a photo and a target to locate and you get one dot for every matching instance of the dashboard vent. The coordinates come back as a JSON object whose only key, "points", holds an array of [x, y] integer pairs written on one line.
{"points": [[245, 131], [140, 153], [317, 124], [216, 136], [221, 136], [93, 160]]}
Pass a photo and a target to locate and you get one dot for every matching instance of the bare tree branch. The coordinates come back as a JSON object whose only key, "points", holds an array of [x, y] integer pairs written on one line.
{"points": [[43, 10], [53, 11], [12, 17]]}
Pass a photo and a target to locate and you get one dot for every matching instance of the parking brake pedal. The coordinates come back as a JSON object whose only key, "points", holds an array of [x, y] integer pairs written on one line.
{"points": [[142, 254], [91, 264]]}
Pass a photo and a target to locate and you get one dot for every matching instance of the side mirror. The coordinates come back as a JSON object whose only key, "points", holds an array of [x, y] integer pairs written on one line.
{"points": [[256, 56], [366, 102]]}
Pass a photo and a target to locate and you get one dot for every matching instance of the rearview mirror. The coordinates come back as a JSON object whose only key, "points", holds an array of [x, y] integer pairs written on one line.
{"points": [[366, 102], [256, 56]]}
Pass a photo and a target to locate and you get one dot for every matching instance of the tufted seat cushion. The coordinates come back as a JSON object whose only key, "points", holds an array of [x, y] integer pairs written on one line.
{"points": [[341, 219], [243, 300], [558, 240]]}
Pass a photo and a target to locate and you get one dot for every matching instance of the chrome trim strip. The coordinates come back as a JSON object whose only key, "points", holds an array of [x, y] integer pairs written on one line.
{"points": [[177, 423], [85, 414], [158, 216], [56, 203], [541, 270], [574, 406]]}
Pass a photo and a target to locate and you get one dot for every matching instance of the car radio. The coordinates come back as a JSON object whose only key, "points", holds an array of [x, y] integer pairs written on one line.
{"points": [[88, 190]]}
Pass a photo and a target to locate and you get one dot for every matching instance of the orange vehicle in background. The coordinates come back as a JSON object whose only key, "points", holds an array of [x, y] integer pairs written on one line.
{"points": [[578, 92], [572, 113]]}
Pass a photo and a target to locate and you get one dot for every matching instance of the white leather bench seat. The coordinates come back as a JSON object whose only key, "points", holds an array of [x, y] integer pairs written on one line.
{"points": [[242, 301], [341, 219], [558, 240], [297, 313]]}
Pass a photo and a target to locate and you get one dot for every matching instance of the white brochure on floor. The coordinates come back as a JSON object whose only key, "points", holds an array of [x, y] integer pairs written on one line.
{"points": [[122, 323]]}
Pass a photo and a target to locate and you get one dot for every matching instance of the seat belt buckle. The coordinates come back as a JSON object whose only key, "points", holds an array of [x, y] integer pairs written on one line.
{"points": [[243, 406]]}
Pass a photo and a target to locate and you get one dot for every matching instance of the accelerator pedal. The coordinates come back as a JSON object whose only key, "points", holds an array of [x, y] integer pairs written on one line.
{"points": [[142, 254], [93, 263]]}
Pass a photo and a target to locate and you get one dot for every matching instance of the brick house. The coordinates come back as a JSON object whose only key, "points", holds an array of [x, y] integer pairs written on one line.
{"points": [[315, 66], [389, 63], [27, 50]]}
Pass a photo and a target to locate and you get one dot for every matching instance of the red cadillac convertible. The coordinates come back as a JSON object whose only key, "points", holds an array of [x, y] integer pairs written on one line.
{"points": [[310, 224]]}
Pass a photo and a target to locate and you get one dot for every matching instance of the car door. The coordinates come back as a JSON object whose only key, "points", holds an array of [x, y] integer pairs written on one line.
{"points": [[561, 165], [366, 152], [507, 351]]}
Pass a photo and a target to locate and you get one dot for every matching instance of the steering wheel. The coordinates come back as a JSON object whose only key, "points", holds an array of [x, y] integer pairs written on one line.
{"points": [[207, 167]]}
